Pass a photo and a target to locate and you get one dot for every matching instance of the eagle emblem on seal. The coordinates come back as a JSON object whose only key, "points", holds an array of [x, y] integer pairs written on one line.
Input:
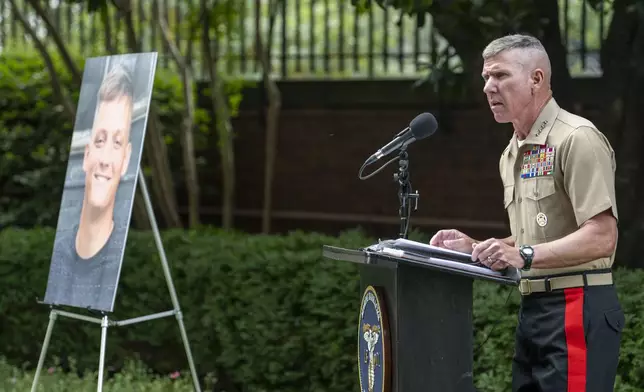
{"points": [[372, 343], [371, 335]]}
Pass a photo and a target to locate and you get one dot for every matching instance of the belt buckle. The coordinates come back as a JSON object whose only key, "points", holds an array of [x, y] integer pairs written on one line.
{"points": [[523, 283]]}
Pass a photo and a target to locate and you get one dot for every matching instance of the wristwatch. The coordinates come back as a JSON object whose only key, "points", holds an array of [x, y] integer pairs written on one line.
{"points": [[527, 253]]}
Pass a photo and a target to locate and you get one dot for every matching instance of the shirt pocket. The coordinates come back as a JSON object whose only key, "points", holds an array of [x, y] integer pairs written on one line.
{"points": [[540, 206]]}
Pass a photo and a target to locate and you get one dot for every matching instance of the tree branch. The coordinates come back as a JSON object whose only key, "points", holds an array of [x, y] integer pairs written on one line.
{"points": [[187, 140], [156, 150], [617, 46], [272, 116], [124, 7], [53, 33], [223, 126], [107, 33], [55, 79], [165, 33]]}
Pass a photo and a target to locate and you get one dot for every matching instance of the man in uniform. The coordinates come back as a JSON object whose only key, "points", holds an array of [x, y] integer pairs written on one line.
{"points": [[558, 177]]}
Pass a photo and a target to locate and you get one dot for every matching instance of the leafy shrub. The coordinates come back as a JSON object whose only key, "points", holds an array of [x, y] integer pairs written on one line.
{"points": [[34, 141], [263, 313]]}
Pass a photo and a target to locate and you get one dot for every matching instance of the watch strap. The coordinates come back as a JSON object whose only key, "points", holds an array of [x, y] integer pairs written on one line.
{"points": [[527, 256]]}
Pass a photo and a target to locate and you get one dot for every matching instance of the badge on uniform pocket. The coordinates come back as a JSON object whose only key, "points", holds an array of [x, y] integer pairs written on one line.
{"points": [[542, 219], [538, 161]]}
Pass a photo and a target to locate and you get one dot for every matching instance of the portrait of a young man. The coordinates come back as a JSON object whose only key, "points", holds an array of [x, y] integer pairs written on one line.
{"points": [[90, 241]]}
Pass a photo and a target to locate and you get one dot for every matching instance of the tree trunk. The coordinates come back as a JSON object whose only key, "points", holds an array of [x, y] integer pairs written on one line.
{"points": [[162, 185], [124, 8], [272, 115], [189, 160], [223, 127], [155, 153], [62, 97], [55, 36], [630, 168], [624, 80], [107, 31], [187, 125], [550, 35], [272, 128], [140, 218]]}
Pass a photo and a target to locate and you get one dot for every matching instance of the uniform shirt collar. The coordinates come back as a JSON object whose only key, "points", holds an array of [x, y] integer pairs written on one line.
{"points": [[540, 128]]}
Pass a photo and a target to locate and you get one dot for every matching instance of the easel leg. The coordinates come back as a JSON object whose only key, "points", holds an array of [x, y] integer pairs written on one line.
{"points": [[101, 359], [168, 278], [43, 352]]}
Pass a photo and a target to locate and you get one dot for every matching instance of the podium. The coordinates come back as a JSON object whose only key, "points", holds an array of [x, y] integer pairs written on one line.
{"points": [[415, 329]]}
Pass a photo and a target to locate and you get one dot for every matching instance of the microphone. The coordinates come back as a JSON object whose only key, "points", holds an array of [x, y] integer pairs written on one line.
{"points": [[422, 126]]}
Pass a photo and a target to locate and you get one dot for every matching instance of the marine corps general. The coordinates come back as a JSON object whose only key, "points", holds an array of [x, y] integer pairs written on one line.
{"points": [[558, 175]]}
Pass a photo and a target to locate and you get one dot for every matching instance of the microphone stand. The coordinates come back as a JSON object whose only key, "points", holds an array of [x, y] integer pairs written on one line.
{"points": [[404, 193]]}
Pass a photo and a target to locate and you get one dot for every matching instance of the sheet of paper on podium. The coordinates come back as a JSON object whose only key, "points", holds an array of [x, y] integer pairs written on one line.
{"points": [[441, 258]]}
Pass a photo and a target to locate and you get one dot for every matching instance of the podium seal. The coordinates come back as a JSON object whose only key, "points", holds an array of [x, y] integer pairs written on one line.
{"points": [[374, 350]]}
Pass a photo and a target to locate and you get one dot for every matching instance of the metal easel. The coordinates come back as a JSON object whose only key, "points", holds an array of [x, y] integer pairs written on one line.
{"points": [[104, 320]]}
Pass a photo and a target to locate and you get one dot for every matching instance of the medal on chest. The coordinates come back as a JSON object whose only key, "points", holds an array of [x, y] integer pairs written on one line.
{"points": [[538, 161]]}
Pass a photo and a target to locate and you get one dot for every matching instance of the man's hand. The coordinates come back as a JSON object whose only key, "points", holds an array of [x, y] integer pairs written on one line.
{"points": [[497, 255], [452, 239]]}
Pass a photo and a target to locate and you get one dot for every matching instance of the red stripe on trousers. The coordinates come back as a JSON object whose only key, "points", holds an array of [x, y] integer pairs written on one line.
{"points": [[575, 339]]}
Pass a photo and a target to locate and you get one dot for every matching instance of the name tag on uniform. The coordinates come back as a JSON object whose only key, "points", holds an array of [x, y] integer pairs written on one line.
{"points": [[538, 161]]}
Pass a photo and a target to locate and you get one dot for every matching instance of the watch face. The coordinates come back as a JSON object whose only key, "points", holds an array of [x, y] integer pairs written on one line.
{"points": [[527, 251]]}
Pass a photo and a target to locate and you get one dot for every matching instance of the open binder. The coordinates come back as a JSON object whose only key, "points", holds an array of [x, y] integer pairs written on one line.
{"points": [[402, 250]]}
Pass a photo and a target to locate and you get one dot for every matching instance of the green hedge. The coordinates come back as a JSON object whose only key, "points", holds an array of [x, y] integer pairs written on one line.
{"points": [[263, 313]]}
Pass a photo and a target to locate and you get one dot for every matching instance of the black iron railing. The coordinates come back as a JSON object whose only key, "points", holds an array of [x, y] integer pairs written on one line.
{"points": [[311, 38]]}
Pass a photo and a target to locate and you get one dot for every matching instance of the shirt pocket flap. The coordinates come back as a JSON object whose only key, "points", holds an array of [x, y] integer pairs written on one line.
{"points": [[540, 188]]}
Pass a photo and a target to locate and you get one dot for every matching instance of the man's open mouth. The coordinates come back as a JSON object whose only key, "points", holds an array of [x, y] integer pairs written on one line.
{"points": [[102, 178]]}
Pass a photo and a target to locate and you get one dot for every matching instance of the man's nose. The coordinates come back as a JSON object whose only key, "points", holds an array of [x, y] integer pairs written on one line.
{"points": [[105, 155], [489, 87]]}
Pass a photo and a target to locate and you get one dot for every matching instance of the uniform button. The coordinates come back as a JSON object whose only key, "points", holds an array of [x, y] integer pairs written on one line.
{"points": [[536, 193], [520, 200], [522, 231]]}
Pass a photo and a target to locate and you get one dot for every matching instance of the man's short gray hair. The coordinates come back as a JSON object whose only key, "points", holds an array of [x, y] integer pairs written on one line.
{"points": [[514, 41]]}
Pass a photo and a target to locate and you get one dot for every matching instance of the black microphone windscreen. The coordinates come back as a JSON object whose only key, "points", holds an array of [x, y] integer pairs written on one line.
{"points": [[423, 125]]}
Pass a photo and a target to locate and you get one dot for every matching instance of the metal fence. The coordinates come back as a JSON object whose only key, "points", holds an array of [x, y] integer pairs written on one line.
{"points": [[311, 39]]}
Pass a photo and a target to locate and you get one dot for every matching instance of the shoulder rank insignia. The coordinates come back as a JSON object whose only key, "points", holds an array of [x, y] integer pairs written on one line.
{"points": [[538, 161]]}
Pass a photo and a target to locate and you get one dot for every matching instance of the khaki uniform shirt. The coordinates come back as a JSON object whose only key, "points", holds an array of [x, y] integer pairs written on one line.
{"points": [[561, 175]]}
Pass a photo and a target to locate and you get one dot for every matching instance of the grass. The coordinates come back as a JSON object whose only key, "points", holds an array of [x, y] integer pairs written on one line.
{"points": [[133, 378]]}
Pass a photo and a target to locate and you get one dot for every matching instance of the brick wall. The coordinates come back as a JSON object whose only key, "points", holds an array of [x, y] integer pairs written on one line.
{"points": [[327, 130]]}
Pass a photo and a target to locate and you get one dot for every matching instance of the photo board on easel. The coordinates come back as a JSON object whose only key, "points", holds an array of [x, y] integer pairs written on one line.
{"points": [[100, 181], [103, 172]]}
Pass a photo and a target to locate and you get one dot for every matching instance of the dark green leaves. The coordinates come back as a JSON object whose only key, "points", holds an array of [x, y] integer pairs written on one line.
{"points": [[267, 313]]}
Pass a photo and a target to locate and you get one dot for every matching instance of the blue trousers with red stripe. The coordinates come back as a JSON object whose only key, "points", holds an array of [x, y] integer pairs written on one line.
{"points": [[568, 341]]}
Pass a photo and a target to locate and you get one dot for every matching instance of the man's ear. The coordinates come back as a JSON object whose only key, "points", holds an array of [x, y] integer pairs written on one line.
{"points": [[538, 77], [126, 162]]}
